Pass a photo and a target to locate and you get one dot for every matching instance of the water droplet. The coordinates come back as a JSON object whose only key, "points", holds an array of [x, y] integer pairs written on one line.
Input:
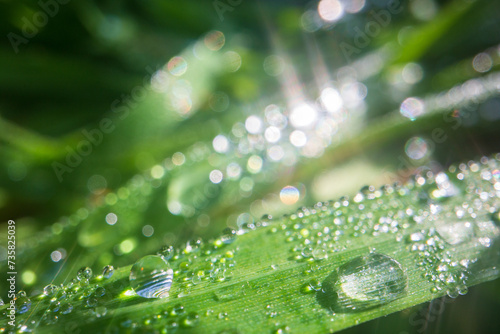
{"points": [[100, 311], [91, 302], [49, 290], [190, 320], [369, 281], [282, 330], [66, 308], [99, 291], [228, 235], [84, 274], [54, 306], [50, 319], [311, 287], [167, 252], [59, 295], [151, 277], [23, 303], [108, 271], [222, 316]]}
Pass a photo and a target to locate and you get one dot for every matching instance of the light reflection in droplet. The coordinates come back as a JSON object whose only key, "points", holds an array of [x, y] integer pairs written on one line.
{"points": [[274, 116], [331, 99], [253, 124], [127, 245], [482, 62], [177, 66], [272, 134], [274, 65], [233, 170], [311, 21], [157, 172], [276, 152], [303, 115], [111, 218], [56, 256], [216, 176], [254, 164], [289, 195], [28, 277], [174, 207], [148, 230], [214, 40], [412, 73], [160, 81], [412, 107], [353, 93], [298, 138], [232, 60], [416, 148], [178, 158], [330, 10], [220, 144], [353, 6], [246, 184]]}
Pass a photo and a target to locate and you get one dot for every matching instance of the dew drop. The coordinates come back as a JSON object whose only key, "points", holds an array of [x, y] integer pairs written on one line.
{"points": [[369, 281], [222, 316], [50, 319], [84, 274], [99, 291], [54, 306], [311, 287], [167, 252], [60, 295], [91, 302], [151, 277], [100, 311], [49, 290], [108, 271], [66, 308], [228, 235], [23, 303], [190, 320]]}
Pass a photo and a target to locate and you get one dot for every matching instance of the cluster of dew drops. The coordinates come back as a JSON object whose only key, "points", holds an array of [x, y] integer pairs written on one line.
{"points": [[61, 300], [436, 226], [421, 214]]}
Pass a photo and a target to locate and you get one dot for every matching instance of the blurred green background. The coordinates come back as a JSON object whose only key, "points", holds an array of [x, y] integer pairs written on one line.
{"points": [[128, 125]]}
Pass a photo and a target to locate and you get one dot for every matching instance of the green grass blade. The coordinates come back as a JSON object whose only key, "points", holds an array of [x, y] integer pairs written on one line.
{"points": [[280, 275]]}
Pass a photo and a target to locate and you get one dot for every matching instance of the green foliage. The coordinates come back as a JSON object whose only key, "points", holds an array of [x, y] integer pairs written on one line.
{"points": [[302, 272]]}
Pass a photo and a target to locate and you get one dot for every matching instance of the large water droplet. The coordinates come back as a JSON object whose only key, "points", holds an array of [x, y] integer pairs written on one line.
{"points": [[23, 303], [151, 277], [49, 290], [367, 281], [66, 308], [84, 274], [108, 271]]}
